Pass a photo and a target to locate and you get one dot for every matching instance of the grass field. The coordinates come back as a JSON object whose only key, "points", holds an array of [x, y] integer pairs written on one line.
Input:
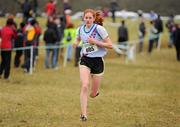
{"points": [[141, 94]]}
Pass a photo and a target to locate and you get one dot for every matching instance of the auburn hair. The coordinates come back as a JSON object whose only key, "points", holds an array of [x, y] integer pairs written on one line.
{"points": [[97, 16]]}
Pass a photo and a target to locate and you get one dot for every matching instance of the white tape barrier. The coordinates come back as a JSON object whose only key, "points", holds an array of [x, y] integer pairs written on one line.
{"points": [[127, 48], [39, 47], [131, 53], [31, 52]]}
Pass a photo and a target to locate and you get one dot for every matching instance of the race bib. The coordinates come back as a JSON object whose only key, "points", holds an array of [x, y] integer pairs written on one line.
{"points": [[89, 48]]}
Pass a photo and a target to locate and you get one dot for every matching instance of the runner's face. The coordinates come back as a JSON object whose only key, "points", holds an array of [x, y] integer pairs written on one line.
{"points": [[88, 19]]}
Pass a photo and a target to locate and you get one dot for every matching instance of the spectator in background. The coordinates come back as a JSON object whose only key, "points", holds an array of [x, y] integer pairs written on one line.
{"points": [[122, 33], [27, 10], [113, 8], [19, 44], [14, 27], [177, 41], [62, 26], [7, 33], [67, 14], [59, 33], [35, 7], [152, 36], [140, 13], [60, 22], [15, 24], [30, 34], [105, 12], [67, 10], [50, 8], [50, 38], [169, 25], [159, 27], [53, 24], [38, 34], [66, 5], [142, 32], [69, 38]]}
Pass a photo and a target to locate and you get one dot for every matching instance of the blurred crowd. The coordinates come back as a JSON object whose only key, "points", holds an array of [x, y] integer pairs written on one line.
{"points": [[153, 32], [24, 38]]}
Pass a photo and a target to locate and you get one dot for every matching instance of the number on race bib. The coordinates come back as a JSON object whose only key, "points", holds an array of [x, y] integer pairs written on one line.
{"points": [[88, 48]]}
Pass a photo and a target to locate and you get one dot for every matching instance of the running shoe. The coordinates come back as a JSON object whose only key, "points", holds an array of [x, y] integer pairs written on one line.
{"points": [[94, 96], [83, 117]]}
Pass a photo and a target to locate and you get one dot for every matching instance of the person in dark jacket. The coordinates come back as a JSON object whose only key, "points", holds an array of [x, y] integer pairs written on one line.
{"points": [[177, 41], [152, 37], [19, 44], [60, 26], [113, 8], [169, 25], [52, 23], [35, 7], [142, 32], [26, 8], [50, 38], [159, 26], [122, 33], [7, 34], [66, 5]]}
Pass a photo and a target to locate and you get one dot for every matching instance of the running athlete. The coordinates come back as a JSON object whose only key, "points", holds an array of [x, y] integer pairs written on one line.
{"points": [[94, 39]]}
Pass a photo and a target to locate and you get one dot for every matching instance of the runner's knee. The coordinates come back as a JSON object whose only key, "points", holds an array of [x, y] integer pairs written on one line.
{"points": [[84, 87]]}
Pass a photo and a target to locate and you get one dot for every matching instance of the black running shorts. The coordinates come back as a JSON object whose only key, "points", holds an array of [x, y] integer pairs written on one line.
{"points": [[96, 64]]}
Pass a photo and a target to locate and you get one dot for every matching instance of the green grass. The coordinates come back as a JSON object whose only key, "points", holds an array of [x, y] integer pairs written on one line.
{"points": [[141, 94]]}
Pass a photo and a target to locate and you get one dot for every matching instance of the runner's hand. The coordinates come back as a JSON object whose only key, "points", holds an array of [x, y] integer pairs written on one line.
{"points": [[91, 40]]}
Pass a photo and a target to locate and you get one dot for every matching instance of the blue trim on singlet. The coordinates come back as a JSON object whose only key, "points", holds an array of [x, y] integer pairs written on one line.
{"points": [[94, 27], [98, 33], [89, 30]]}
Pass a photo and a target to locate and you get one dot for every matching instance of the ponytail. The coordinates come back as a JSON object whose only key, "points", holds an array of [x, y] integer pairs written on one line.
{"points": [[99, 18]]}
